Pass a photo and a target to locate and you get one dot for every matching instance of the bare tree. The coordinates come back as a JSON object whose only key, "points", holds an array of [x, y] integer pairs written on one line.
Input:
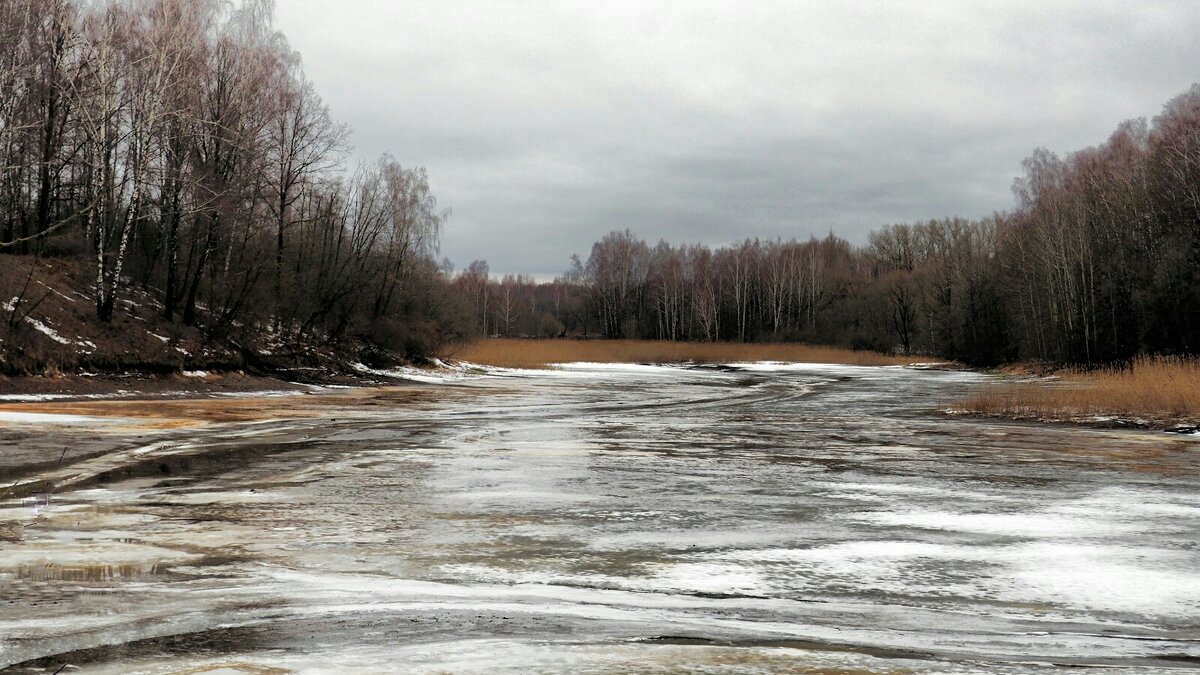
{"points": [[302, 142]]}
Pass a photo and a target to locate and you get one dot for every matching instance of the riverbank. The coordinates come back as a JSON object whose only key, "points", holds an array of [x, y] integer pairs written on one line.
{"points": [[57, 387], [49, 332], [529, 353], [1149, 393], [85, 386], [49, 444]]}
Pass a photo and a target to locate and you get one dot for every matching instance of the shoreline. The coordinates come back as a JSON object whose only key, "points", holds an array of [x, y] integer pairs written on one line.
{"points": [[1149, 392], [199, 384], [501, 353], [125, 386], [1113, 421], [65, 432], [55, 443], [132, 394]]}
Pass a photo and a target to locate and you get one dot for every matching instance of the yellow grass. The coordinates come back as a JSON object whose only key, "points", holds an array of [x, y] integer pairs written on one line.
{"points": [[1153, 389], [520, 353]]}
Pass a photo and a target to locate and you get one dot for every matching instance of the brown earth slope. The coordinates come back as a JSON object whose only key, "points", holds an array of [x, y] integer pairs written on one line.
{"points": [[48, 327]]}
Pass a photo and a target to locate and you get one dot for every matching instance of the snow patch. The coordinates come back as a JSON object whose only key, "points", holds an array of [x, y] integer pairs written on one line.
{"points": [[11, 305], [618, 367], [52, 419], [47, 331], [1101, 578], [710, 577], [32, 398], [441, 375], [57, 292]]}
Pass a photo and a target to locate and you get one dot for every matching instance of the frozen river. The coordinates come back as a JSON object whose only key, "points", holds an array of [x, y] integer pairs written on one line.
{"points": [[609, 519]]}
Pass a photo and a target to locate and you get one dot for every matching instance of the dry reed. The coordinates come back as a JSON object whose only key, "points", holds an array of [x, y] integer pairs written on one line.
{"points": [[524, 353], [1153, 389]]}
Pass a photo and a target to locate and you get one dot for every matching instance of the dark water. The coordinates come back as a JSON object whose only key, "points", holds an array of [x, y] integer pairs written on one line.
{"points": [[618, 519]]}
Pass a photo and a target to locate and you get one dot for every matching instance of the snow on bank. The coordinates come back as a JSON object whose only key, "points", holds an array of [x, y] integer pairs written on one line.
{"points": [[32, 398], [461, 370], [805, 366], [589, 369], [441, 373], [176, 394], [10, 306], [47, 331]]}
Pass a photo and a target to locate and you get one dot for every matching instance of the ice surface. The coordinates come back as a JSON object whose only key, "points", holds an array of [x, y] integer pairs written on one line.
{"points": [[439, 375], [56, 419], [599, 518]]}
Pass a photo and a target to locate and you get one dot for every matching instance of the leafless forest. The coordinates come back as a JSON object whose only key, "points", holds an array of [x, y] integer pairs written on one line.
{"points": [[176, 148], [1098, 262]]}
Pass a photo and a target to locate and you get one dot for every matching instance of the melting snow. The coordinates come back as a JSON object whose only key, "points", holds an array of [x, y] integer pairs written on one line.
{"points": [[48, 331], [41, 327], [29, 398], [57, 292], [441, 375]]}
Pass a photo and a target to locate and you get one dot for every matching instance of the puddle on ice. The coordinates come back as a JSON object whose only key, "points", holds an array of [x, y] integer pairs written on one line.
{"points": [[598, 518]]}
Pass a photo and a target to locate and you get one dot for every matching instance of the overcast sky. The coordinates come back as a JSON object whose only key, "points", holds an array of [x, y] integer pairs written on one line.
{"points": [[546, 124]]}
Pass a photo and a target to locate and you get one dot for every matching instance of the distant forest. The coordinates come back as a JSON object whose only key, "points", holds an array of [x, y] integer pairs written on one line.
{"points": [[1098, 262], [174, 149]]}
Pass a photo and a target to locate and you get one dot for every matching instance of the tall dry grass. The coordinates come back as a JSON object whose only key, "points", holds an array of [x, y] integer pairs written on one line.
{"points": [[1155, 389], [521, 353]]}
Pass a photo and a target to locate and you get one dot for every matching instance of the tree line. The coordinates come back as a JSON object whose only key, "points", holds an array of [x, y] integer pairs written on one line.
{"points": [[178, 147], [1099, 261]]}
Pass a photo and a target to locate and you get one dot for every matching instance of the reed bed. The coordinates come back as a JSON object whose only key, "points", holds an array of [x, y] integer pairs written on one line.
{"points": [[526, 353], [1152, 389]]}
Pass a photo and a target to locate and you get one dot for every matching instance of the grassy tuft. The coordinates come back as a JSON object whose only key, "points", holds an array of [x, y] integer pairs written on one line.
{"points": [[523, 353], [1155, 389]]}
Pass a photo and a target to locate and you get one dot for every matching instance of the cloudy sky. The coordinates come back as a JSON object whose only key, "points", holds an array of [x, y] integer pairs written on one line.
{"points": [[546, 124]]}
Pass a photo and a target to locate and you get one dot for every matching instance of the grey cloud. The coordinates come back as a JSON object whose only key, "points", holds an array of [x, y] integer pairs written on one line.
{"points": [[546, 124]]}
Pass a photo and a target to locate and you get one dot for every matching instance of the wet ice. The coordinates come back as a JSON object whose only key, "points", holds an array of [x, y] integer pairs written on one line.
{"points": [[764, 516]]}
